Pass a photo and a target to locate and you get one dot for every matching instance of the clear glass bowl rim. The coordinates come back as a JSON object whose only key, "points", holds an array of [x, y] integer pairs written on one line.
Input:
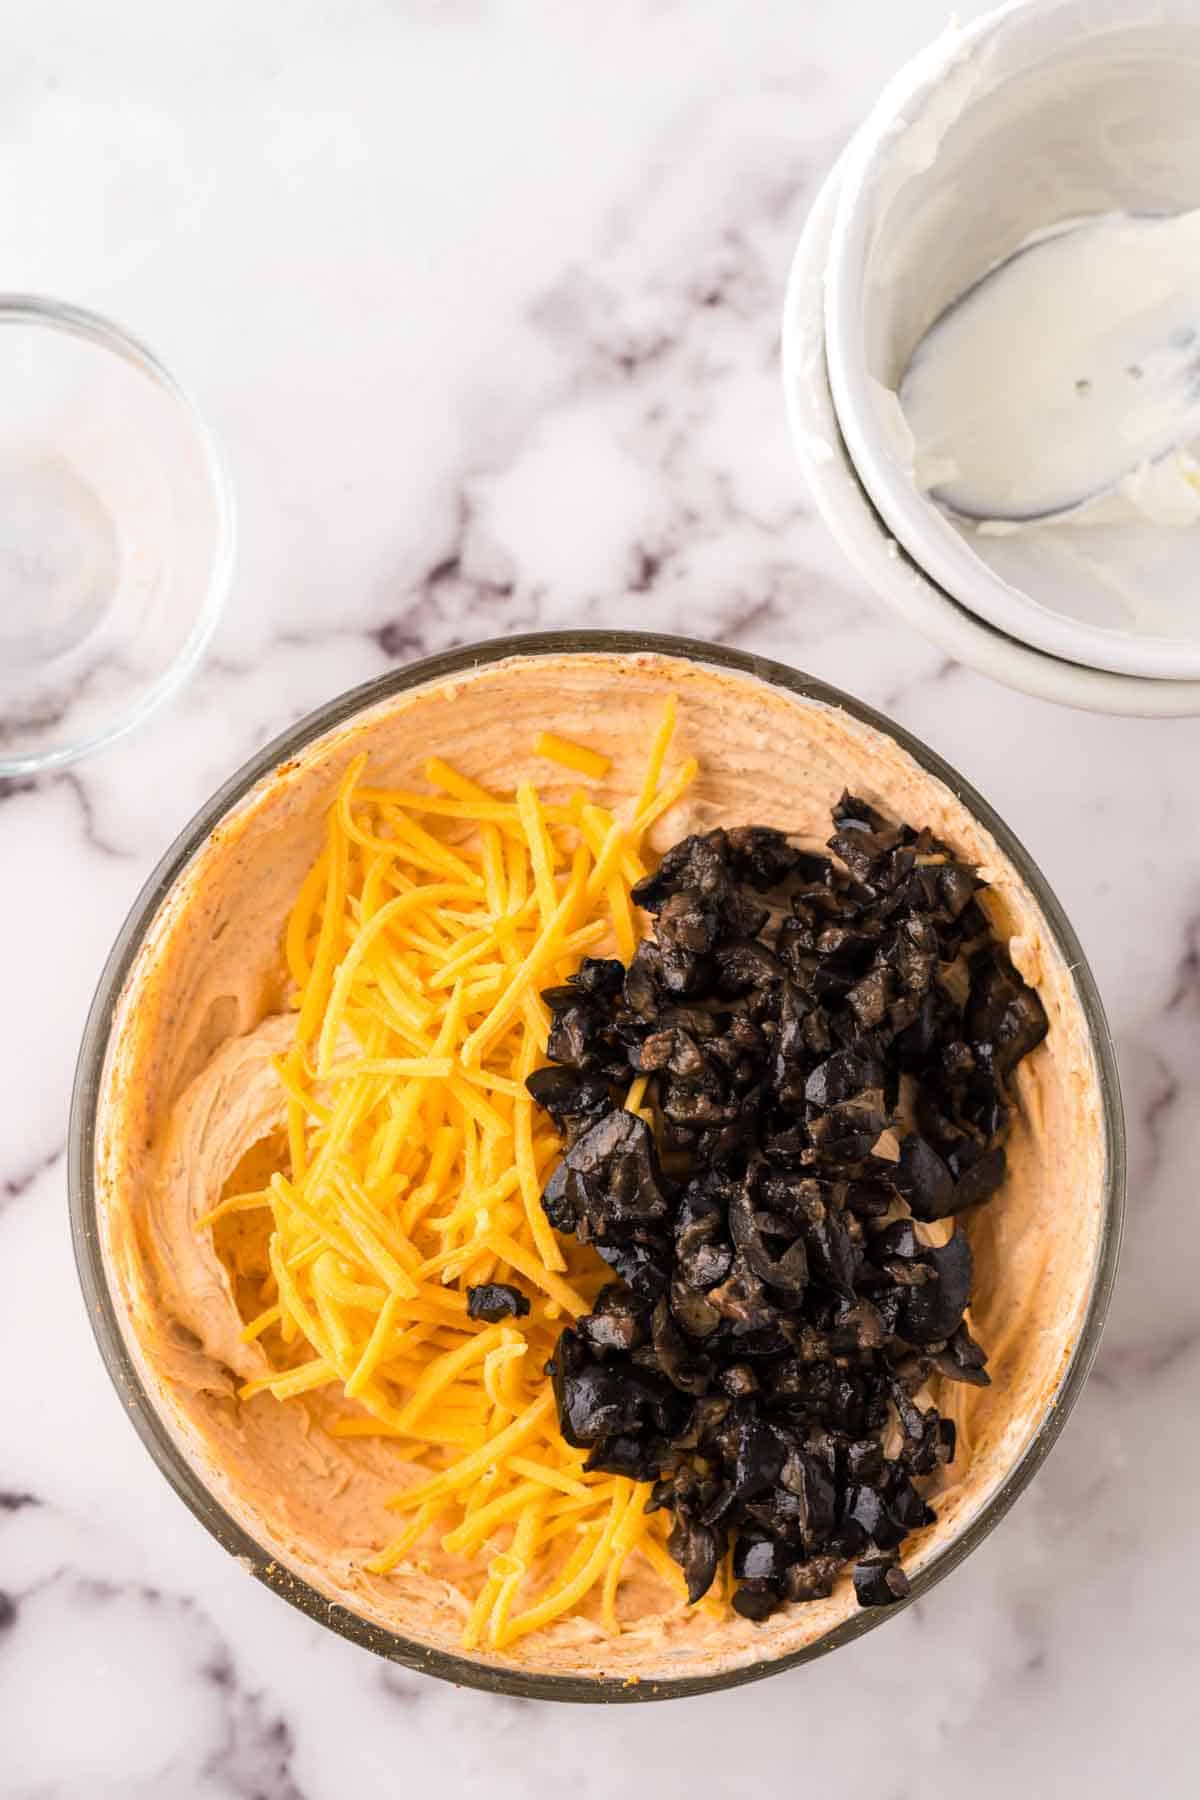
{"points": [[183, 1478], [80, 321]]}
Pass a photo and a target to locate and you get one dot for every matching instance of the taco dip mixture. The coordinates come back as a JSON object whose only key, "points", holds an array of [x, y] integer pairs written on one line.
{"points": [[600, 1166]]}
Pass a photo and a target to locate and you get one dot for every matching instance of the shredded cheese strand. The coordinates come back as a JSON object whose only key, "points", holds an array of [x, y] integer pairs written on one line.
{"points": [[572, 756], [414, 1165]]}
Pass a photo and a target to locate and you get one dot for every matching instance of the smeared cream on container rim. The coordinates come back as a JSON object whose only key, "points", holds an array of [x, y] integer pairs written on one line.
{"points": [[1036, 119]]}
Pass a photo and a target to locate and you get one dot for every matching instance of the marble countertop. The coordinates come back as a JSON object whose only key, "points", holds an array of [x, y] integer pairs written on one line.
{"points": [[483, 297]]}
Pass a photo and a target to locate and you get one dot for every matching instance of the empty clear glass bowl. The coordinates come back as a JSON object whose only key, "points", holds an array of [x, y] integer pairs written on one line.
{"points": [[116, 532]]}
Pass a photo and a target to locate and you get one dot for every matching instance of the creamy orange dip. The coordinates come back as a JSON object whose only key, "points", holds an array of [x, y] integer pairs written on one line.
{"points": [[188, 1092]]}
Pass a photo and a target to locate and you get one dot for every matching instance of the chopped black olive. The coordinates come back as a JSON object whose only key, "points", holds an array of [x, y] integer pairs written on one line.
{"points": [[924, 1180], [825, 1087], [878, 1581], [761, 856], [1003, 1011], [569, 1098], [757, 1600], [812, 1580], [758, 1558], [496, 1300], [933, 1309], [618, 1320], [599, 976]]}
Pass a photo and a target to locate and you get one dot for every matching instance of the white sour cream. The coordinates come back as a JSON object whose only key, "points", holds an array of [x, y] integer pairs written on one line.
{"points": [[1065, 384]]}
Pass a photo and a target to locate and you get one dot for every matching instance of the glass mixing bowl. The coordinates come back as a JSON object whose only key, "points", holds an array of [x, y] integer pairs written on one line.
{"points": [[98, 1288]]}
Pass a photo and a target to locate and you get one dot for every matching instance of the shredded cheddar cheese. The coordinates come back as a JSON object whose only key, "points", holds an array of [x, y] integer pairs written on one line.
{"points": [[413, 1166], [572, 756]]}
